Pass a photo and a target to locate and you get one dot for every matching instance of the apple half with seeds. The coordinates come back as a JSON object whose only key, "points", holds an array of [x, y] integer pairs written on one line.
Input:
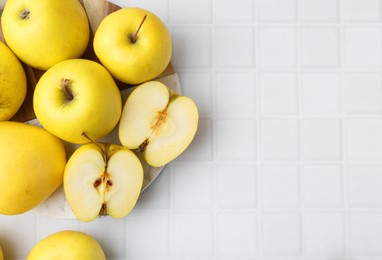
{"points": [[102, 179], [157, 123]]}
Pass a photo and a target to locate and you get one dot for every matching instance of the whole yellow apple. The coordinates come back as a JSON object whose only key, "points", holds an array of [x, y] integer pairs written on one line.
{"points": [[44, 32], [67, 244], [13, 83], [77, 96], [133, 44], [32, 163]]}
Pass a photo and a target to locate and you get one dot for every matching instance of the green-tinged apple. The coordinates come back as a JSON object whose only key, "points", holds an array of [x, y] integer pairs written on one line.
{"points": [[158, 123], [32, 163], [13, 83], [102, 179], [44, 32], [77, 96], [67, 244], [133, 44]]}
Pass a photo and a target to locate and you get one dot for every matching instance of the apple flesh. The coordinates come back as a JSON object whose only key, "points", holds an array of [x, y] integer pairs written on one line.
{"points": [[158, 123], [76, 96], [102, 179], [67, 244]]}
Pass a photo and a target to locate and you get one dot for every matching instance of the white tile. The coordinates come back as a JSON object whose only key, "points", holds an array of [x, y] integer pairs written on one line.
{"points": [[235, 47], [236, 140], [202, 145], [324, 234], [193, 234], [363, 93], [279, 186], [236, 186], [48, 226], [236, 93], [362, 46], [157, 195], [317, 52], [365, 233], [363, 139], [192, 186], [237, 234], [183, 11], [319, 10], [279, 139], [281, 234], [364, 184], [158, 7], [321, 139], [276, 10], [278, 93], [17, 235], [322, 186], [112, 239], [191, 47], [276, 47], [321, 93], [228, 11], [198, 86], [363, 10], [148, 234]]}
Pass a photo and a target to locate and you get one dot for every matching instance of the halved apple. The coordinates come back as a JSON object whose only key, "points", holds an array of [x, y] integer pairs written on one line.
{"points": [[102, 179], [158, 123]]}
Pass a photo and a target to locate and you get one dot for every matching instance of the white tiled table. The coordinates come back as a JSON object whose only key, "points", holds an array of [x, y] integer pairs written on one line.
{"points": [[287, 162]]}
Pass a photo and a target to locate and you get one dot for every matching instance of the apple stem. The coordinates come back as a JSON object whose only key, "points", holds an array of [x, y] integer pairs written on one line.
{"points": [[135, 36], [99, 146], [66, 86], [25, 14]]}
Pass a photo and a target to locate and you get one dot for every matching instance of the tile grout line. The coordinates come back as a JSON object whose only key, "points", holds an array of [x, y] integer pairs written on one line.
{"points": [[341, 40], [299, 47], [256, 74]]}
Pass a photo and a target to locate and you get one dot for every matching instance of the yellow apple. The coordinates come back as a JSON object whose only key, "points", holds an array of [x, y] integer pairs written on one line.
{"points": [[77, 96], [67, 244], [13, 83], [157, 123], [44, 32], [32, 163], [102, 179], [1, 254], [133, 44]]}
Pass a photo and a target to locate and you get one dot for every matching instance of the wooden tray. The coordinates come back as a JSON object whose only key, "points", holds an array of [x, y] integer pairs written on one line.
{"points": [[56, 205]]}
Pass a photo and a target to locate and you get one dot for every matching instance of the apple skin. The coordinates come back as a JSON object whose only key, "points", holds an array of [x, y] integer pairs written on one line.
{"points": [[67, 244], [129, 62], [102, 179], [54, 30], [32, 163], [94, 108], [13, 83]]}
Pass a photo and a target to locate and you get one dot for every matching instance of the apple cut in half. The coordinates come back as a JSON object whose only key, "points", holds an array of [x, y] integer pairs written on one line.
{"points": [[102, 179], [158, 123]]}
